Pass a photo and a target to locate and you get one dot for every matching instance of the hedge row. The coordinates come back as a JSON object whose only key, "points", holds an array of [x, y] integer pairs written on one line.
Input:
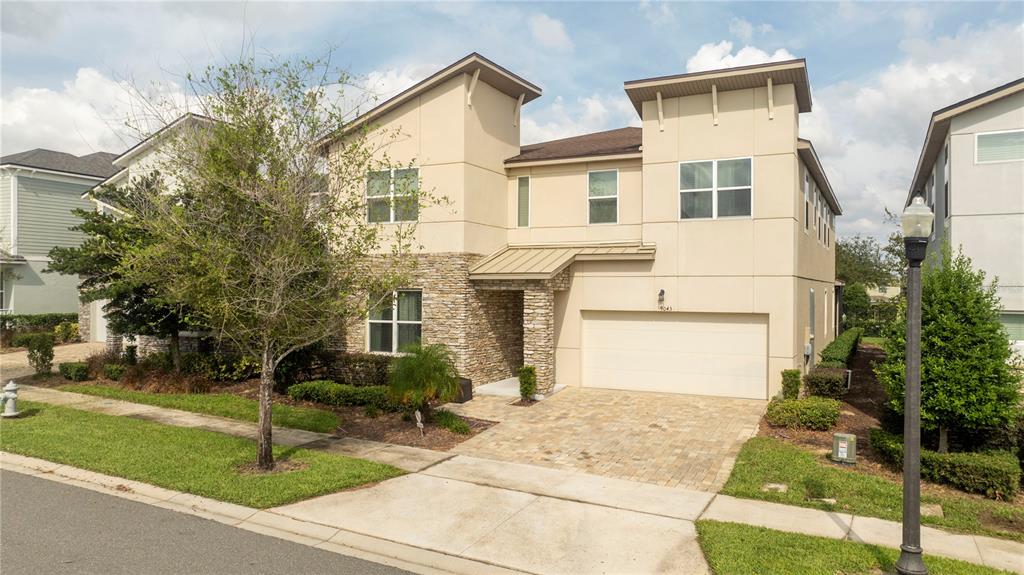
{"points": [[818, 413], [328, 392], [36, 321], [995, 474], [360, 369], [842, 347], [824, 382]]}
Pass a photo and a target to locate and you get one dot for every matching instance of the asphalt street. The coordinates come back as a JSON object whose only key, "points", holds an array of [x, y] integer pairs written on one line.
{"points": [[49, 527]]}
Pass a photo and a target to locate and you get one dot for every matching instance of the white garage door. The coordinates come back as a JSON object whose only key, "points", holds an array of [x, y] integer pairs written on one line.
{"points": [[704, 354]]}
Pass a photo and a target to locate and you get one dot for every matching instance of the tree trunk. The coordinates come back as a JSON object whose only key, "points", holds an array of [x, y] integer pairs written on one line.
{"points": [[174, 346], [264, 445], [943, 439]]}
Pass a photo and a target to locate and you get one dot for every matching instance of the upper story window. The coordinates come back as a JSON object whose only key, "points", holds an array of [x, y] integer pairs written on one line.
{"points": [[396, 321], [807, 201], [715, 189], [603, 196], [523, 205], [994, 147], [392, 195]]}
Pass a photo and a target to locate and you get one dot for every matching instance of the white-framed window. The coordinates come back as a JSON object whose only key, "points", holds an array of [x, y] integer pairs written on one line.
{"points": [[1002, 146], [523, 202], [603, 196], [712, 189], [3, 289], [392, 195], [395, 321], [807, 200]]}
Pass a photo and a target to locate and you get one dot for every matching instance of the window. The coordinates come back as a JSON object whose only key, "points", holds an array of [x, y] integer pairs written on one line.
{"points": [[999, 147], [603, 196], [3, 288], [396, 322], [945, 194], [524, 202], [392, 195], [807, 201], [715, 189]]}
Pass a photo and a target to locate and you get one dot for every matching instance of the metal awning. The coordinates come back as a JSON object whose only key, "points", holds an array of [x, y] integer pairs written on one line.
{"points": [[540, 262]]}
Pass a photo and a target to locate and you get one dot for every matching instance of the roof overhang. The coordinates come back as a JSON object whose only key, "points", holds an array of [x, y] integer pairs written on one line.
{"points": [[494, 75], [573, 160], [545, 261], [938, 128], [805, 150], [739, 78], [34, 169]]}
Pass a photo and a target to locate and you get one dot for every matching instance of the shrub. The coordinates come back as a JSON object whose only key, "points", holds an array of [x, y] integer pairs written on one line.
{"points": [[831, 364], [66, 332], [360, 368], [220, 367], [451, 422], [74, 370], [826, 382], [328, 392], [131, 354], [423, 374], [301, 365], [817, 413], [114, 371], [842, 347], [995, 474], [36, 321], [40, 350], [527, 382], [790, 383]]}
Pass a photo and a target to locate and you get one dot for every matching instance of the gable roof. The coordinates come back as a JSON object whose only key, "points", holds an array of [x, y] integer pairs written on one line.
{"points": [[608, 143], [938, 127], [738, 78], [95, 165], [122, 160]]}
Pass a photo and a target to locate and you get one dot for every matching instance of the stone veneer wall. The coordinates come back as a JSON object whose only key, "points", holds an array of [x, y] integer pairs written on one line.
{"points": [[84, 321], [483, 329]]}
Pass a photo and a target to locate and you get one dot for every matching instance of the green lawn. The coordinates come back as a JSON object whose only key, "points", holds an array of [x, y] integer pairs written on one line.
{"points": [[222, 404], [766, 460], [180, 458], [874, 340], [732, 548]]}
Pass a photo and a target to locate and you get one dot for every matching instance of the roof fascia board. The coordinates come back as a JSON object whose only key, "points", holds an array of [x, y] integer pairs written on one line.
{"points": [[45, 172], [716, 74], [573, 160]]}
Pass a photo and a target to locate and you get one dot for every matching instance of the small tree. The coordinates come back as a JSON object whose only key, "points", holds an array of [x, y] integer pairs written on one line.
{"points": [[856, 304], [262, 228], [861, 260], [422, 374], [967, 382]]}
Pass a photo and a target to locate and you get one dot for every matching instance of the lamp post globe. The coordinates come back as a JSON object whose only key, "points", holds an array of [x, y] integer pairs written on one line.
{"points": [[916, 222]]}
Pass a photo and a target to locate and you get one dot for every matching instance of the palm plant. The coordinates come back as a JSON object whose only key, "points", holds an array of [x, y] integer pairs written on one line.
{"points": [[422, 374]]}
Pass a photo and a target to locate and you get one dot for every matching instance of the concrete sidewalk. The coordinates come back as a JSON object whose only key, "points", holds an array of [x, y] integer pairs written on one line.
{"points": [[537, 519]]}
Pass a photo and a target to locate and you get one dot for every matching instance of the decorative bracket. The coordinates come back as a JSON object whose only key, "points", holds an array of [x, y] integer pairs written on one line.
{"points": [[517, 111], [714, 103], [472, 86], [661, 115], [771, 101]]}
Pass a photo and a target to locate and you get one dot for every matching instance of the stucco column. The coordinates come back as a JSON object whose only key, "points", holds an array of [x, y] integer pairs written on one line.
{"points": [[539, 334]]}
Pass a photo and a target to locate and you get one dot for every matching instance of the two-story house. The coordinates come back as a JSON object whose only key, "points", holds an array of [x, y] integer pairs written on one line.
{"points": [[38, 190], [971, 173], [694, 254]]}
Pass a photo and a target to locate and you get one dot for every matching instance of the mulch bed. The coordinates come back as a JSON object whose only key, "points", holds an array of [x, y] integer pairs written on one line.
{"points": [[280, 466]]}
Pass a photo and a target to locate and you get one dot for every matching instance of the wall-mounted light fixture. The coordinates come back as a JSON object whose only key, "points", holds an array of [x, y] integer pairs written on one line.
{"points": [[661, 301]]}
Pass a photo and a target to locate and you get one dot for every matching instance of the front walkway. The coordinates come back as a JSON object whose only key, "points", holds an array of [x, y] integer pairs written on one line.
{"points": [[665, 439], [15, 364]]}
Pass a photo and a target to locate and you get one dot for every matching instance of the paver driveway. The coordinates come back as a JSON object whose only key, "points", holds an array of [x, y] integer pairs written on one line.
{"points": [[666, 439], [15, 364]]}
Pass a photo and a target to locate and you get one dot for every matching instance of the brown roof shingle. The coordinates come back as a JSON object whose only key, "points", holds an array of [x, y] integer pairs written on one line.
{"points": [[609, 143]]}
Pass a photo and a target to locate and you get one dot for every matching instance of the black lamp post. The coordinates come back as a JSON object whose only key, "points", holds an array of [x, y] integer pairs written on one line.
{"points": [[917, 226]]}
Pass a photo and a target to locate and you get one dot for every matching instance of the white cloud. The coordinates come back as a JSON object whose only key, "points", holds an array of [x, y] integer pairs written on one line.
{"points": [[550, 33], [869, 132], [585, 115], [658, 13], [742, 29], [716, 56]]}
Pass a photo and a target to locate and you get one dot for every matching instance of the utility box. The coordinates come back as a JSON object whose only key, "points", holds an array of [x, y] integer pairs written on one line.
{"points": [[844, 448]]}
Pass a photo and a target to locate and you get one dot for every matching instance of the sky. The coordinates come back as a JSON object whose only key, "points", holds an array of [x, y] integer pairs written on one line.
{"points": [[877, 70]]}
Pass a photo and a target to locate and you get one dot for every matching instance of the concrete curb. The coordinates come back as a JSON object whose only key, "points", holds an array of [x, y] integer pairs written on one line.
{"points": [[409, 558]]}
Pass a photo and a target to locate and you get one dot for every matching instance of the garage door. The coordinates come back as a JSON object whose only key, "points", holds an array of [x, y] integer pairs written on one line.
{"points": [[704, 354]]}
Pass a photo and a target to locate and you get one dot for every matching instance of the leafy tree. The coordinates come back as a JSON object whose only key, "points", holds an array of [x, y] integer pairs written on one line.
{"points": [[856, 303], [134, 307], [894, 250], [259, 230], [861, 260], [967, 380]]}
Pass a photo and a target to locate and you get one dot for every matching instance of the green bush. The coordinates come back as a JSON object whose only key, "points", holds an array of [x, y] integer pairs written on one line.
{"points": [[830, 364], [816, 413], [451, 422], [842, 347], [790, 383], [527, 382], [301, 365], [360, 369], [220, 367], [36, 321], [66, 332], [826, 382], [424, 373], [995, 474], [114, 371], [328, 392], [131, 354], [40, 349], [74, 370]]}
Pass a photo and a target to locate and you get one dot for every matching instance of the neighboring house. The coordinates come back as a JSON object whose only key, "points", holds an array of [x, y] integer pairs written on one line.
{"points": [[880, 293], [971, 173], [38, 190], [694, 254]]}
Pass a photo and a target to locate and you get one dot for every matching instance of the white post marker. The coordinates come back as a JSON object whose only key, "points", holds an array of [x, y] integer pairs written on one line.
{"points": [[10, 400]]}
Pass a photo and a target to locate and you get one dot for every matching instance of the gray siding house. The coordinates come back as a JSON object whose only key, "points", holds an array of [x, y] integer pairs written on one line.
{"points": [[971, 173], [38, 190]]}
